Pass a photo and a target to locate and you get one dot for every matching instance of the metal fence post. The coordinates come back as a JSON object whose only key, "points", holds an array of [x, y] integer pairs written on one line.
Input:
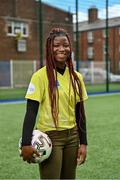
{"points": [[106, 49], [77, 38], [40, 33]]}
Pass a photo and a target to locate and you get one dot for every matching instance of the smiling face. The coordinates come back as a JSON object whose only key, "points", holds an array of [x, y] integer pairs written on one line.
{"points": [[61, 48]]}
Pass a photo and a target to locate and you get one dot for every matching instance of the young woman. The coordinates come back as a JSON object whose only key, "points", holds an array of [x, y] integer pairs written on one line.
{"points": [[57, 92]]}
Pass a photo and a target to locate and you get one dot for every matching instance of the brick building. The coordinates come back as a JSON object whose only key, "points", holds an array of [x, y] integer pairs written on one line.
{"points": [[21, 18], [92, 38]]}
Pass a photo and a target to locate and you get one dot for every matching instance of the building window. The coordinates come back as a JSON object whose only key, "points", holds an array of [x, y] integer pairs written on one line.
{"points": [[74, 36], [14, 27], [104, 48], [90, 37], [90, 52], [24, 30], [104, 33], [9, 29]]}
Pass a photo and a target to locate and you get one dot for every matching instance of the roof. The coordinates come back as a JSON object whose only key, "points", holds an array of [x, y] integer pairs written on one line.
{"points": [[98, 24]]}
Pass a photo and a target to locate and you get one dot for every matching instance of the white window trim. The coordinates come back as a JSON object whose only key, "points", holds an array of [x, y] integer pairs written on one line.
{"points": [[22, 25]]}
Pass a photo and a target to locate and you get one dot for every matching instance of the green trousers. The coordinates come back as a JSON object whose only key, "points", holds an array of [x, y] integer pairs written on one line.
{"points": [[62, 162]]}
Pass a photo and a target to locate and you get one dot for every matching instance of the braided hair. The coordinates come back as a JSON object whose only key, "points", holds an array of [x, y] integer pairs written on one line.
{"points": [[52, 73]]}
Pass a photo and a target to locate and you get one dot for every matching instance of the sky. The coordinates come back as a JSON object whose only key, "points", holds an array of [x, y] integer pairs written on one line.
{"points": [[84, 5]]}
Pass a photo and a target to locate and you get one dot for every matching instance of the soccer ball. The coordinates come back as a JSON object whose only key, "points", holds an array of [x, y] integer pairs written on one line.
{"points": [[42, 143]]}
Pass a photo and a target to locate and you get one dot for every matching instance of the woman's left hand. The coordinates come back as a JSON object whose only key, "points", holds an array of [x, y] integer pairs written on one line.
{"points": [[82, 153]]}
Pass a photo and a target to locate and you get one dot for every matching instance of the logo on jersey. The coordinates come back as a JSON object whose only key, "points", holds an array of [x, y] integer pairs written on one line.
{"points": [[57, 83], [31, 88]]}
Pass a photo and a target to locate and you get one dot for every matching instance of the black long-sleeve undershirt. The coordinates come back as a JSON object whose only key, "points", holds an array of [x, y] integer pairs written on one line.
{"points": [[81, 122], [29, 121]]}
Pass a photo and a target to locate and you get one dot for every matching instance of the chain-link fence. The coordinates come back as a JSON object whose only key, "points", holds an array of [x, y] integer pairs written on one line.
{"points": [[15, 74]]}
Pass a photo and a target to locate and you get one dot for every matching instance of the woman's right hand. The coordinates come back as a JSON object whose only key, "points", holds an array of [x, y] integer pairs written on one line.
{"points": [[27, 153]]}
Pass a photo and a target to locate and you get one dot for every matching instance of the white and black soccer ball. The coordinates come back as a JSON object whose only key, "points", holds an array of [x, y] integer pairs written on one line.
{"points": [[42, 143]]}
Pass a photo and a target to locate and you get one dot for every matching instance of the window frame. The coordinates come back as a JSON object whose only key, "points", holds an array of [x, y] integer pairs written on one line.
{"points": [[90, 52], [17, 26], [90, 36]]}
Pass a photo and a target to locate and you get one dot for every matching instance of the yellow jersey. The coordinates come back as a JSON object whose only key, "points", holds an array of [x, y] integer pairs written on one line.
{"points": [[38, 91]]}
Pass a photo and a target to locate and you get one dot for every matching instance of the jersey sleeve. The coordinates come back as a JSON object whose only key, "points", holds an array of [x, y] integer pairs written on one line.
{"points": [[36, 88], [84, 92]]}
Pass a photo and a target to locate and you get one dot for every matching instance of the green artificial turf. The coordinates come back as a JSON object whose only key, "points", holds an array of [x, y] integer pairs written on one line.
{"points": [[103, 127]]}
